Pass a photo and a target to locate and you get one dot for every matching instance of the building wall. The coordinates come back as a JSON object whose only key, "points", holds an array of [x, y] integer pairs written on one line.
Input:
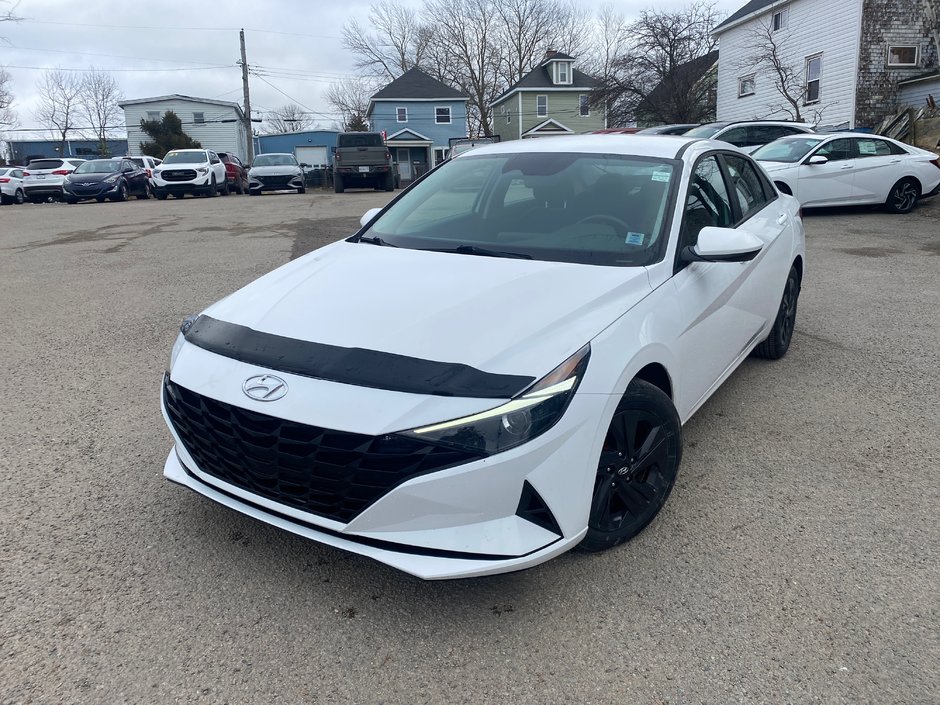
{"points": [[563, 107], [914, 95], [827, 27], [886, 23], [23, 151], [290, 141], [421, 115], [213, 134]]}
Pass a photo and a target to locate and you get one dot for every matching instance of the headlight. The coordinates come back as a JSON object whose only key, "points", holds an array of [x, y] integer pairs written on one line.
{"points": [[181, 338], [112, 179], [528, 415], [157, 172], [203, 170]]}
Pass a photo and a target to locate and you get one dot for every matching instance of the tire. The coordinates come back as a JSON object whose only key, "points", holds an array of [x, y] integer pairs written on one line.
{"points": [[161, 195], [71, 201], [302, 189], [100, 199], [637, 467], [778, 342], [179, 195], [903, 196], [121, 194], [389, 182], [338, 184], [145, 196], [225, 189], [5, 200], [240, 186], [256, 192], [34, 199], [213, 189], [19, 197]]}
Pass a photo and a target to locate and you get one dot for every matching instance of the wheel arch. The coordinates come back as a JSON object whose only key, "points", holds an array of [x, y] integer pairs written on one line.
{"points": [[798, 265], [783, 187], [656, 374]]}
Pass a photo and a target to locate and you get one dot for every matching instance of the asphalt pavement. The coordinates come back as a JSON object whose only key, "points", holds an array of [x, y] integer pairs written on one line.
{"points": [[796, 561]]}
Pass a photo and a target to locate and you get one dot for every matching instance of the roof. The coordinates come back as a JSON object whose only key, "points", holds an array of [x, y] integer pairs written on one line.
{"points": [[922, 77], [539, 78], [556, 56], [683, 78], [752, 7], [656, 146], [177, 96], [415, 84]]}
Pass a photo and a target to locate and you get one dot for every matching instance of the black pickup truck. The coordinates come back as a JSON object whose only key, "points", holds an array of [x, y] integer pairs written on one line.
{"points": [[362, 160]]}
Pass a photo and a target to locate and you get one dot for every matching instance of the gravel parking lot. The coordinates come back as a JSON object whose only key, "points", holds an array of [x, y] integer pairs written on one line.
{"points": [[796, 562]]}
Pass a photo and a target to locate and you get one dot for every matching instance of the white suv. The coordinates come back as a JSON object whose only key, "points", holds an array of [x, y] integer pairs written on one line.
{"points": [[751, 134], [43, 178], [195, 171], [148, 164]]}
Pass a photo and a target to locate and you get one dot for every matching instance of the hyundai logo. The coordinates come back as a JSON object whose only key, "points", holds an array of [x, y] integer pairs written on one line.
{"points": [[265, 387]]}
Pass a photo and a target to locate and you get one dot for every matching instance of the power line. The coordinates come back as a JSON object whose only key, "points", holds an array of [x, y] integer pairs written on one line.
{"points": [[60, 68], [294, 100], [176, 28]]}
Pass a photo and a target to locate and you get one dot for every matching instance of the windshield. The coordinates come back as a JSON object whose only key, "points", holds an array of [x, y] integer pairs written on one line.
{"points": [[274, 160], [705, 131], [566, 207], [788, 151], [185, 158], [104, 166], [360, 139]]}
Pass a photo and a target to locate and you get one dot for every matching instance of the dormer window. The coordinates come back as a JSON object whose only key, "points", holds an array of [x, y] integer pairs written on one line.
{"points": [[563, 72]]}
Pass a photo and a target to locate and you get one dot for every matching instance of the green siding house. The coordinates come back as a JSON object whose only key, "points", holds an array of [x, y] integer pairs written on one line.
{"points": [[552, 99]]}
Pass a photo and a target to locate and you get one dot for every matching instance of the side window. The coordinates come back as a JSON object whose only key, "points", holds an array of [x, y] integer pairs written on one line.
{"points": [[214, 158], [737, 136], [896, 149], [707, 203], [748, 186], [835, 151], [872, 148]]}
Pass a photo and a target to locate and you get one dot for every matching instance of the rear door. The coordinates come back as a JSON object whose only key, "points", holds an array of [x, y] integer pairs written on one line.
{"points": [[877, 169], [828, 184]]}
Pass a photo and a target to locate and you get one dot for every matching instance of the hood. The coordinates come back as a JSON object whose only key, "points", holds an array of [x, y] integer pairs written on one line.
{"points": [[504, 316], [277, 170], [770, 167], [90, 178]]}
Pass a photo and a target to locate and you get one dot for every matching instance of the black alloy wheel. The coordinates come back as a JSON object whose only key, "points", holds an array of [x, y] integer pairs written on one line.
{"points": [[637, 467], [213, 189], [146, 193], [778, 342], [19, 197], [903, 196], [122, 193]]}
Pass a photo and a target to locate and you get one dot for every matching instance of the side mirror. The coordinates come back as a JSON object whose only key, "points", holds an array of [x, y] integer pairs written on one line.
{"points": [[305, 165], [723, 245], [369, 216], [818, 159]]}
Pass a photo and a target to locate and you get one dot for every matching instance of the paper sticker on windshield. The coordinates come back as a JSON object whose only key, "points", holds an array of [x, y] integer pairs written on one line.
{"points": [[635, 238], [661, 176]]}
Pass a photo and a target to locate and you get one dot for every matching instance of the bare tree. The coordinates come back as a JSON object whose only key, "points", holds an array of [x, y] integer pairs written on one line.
{"points": [[660, 48], [287, 118], [98, 98], [350, 98], [397, 40], [7, 114], [59, 105]]}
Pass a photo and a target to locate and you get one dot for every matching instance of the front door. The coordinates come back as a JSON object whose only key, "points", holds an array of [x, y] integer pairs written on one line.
{"points": [[830, 183]]}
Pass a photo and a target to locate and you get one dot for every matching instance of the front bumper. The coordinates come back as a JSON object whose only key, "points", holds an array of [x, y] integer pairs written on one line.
{"points": [[96, 191], [457, 522], [201, 185], [275, 183]]}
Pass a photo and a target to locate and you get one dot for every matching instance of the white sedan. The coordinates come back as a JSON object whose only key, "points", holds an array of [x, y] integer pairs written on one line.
{"points": [[496, 367], [849, 168], [11, 185]]}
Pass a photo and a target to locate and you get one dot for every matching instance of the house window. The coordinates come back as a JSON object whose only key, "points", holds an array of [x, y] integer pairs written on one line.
{"points": [[199, 118], [541, 103], [442, 115], [153, 114], [401, 114], [563, 72], [584, 106], [902, 56], [781, 19], [813, 74], [747, 85]]}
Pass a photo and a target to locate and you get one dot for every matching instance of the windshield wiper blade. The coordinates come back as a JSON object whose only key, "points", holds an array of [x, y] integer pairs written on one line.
{"points": [[482, 252], [376, 241]]}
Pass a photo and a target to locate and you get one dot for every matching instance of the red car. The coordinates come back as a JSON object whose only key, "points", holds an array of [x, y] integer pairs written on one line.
{"points": [[235, 172]]}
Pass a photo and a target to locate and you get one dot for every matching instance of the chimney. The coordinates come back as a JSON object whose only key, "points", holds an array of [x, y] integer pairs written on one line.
{"points": [[549, 53]]}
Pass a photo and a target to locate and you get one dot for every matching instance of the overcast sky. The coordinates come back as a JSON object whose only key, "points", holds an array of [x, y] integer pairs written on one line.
{"points": [[158, 47]]}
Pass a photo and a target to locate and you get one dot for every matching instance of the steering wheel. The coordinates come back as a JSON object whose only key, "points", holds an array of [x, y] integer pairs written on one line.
{"points": [[609, 219]]}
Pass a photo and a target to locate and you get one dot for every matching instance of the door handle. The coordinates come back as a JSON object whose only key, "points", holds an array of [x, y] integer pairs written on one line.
{"points": [[847, 166], [896, 161]]}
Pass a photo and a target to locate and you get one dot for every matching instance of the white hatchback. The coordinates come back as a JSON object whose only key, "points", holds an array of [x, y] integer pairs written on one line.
{"points": [[11, 185], [496, 367], [849, 168]]}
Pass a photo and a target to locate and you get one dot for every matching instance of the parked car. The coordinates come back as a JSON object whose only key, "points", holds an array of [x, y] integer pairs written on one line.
{"points": [[849, 168], [43, 178], [362, 160], [148, 164], [495, 368], [235, 172], [667, 129], [101, 179], [11, 185], [459, 145], [194, 171], [276, 172], [749, 135]]}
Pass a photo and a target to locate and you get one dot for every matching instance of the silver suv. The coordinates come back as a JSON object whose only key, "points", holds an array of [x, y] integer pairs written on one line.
{"points": [[748, 135], [43, 178]]}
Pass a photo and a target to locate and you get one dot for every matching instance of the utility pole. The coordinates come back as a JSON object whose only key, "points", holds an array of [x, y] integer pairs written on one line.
{"points": [[250, 151]]}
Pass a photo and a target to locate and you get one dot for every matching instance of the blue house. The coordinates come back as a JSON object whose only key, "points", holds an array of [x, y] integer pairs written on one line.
{"points": [[314, 147], [418, 115], [22, 151]]}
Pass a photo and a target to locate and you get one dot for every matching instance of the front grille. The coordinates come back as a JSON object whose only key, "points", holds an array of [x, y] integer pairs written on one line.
{"points": [[178, 174], [275, 181], [334, 474]]}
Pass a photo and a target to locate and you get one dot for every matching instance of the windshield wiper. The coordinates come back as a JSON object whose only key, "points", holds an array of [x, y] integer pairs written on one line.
{"points": [[482, 252], [376, 241]]}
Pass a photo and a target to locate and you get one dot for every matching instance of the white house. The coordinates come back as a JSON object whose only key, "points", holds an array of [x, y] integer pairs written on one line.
{"points": [[216, 124], [847, 58]]}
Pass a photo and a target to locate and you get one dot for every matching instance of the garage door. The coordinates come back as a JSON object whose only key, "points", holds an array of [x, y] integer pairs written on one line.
{"points": [[311, 155]]}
